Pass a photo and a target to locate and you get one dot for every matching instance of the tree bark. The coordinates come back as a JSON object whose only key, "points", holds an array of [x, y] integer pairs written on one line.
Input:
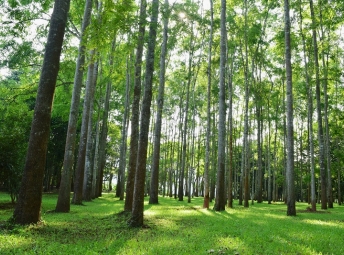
{"points": [[291, 210], [28, 208], [220, 201], [138, 198], [207, 145], [133, 147], [123, 147], [319, 114], [87, 184], [154, 188], [63, 201], [80, 166], [310, 120]]}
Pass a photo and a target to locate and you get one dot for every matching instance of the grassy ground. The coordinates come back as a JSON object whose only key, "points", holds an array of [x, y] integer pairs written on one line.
{"points": [[175, 228]]}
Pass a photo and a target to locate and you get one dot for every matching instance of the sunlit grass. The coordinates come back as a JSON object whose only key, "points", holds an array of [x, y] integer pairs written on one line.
{"points": [[175, 227]]}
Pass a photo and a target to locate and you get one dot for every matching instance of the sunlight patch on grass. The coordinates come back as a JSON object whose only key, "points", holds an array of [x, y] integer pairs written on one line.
{"points": [[334, 224]]}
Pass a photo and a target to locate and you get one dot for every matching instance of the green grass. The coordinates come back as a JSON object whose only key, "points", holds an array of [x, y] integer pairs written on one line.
{"points": [[175, 228]]}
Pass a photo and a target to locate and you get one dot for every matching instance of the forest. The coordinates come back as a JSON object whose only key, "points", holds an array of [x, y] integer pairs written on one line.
{"points": [[222, 100]]}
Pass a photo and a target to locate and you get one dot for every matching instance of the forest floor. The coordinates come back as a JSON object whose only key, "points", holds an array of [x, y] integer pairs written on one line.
{"points": [[174, 227]]}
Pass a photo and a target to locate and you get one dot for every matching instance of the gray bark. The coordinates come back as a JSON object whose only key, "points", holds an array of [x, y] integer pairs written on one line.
{"points": [[319, 113], [80, 166], [154, 188], [133, 147], [63, 201], [207, 144], [220, 201], [136, 219], [87, 184], [291, 210]]}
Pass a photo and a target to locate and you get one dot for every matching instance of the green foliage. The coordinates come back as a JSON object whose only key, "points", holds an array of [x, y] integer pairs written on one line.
{"points": [[15, 120]]}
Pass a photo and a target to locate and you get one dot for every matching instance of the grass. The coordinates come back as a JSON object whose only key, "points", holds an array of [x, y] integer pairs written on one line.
{"points": [[174, 227]]}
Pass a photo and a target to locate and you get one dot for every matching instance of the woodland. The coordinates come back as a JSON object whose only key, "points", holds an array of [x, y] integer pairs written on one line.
{"points": [[216, 100]]}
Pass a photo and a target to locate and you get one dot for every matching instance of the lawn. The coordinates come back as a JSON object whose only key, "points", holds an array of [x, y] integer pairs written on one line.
{"points": [[174, 227]]}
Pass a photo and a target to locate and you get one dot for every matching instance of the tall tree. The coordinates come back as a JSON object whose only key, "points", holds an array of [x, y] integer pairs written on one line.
{"points": [[80, 165], [154, 188], [309, 116], [28, 207], [291, 210], [245, 155], [207, 143], [87, 183], [135, 111], [186, 114], [220, 201], [63, 201], [319, 114], [123, 146], [138, 198]]}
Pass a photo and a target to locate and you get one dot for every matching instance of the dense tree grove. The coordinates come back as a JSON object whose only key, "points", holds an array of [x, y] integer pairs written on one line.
{"points": [[220, 99]]}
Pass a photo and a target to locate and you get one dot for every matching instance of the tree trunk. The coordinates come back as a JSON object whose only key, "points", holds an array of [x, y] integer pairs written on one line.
{"points": [[135, 111], [319, 114], [220, 202], [28, 208], [87, 184], [123, 148], [138, 198], [80, 166], [63, 201], [291, 210], [95, 160], [207, 145], [154, 188], [186, 110]]}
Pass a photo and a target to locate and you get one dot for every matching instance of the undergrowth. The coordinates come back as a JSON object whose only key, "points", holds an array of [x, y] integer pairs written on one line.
{"points": [[174, 227]]}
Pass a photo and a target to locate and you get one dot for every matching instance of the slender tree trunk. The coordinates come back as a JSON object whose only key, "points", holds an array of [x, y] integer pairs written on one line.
{"points": [[207, 144], [220, 181], [327, 146], [246, 128], [230, 142], [154, 188], [186, 110], [138, 201], [259, 187], [80, 166], [319, 114], [102, 142], [63, 201], [28, 207], [87, 184], [310, 119], [123, 146], [135, 111], [291, 210], [95, 160]]}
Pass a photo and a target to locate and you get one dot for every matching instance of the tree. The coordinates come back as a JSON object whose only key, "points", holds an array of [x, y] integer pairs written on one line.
{"points": [[63, 201], [80, 165], [154, 188], [138, 198], [207, 143], [123, 146], [310, 118], [28, 207], [135, 111], [319, 115], [291, 210], [220, 202]]}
